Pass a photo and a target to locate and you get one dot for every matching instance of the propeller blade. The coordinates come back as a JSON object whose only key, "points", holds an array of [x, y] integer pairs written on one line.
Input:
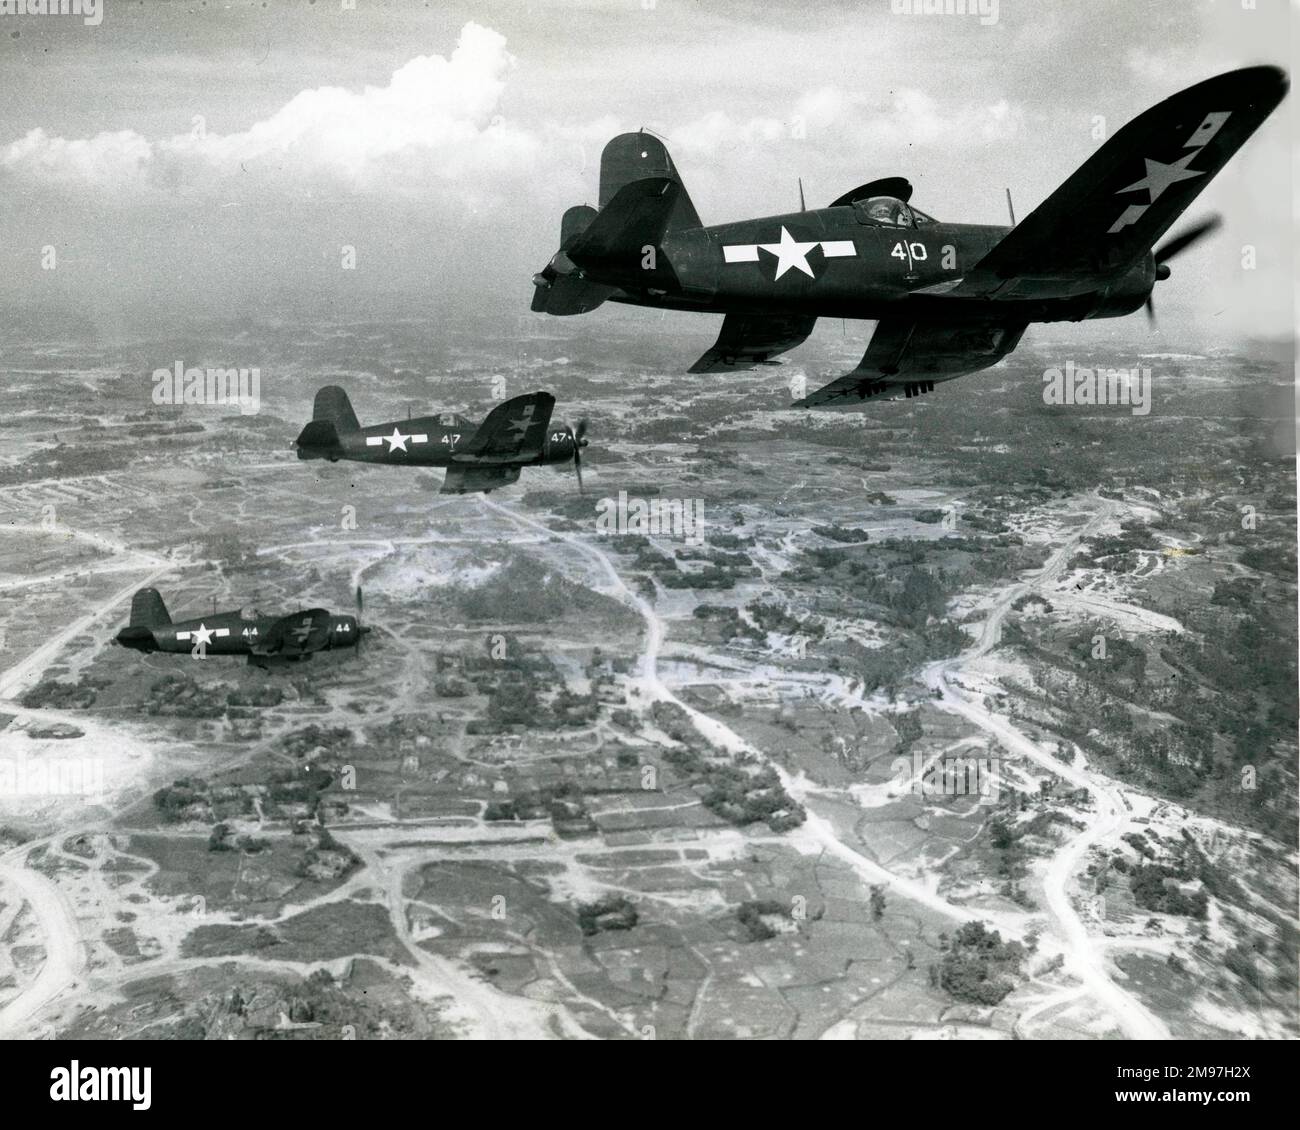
{"points": [[1188, 238], [361, 632], [577, 435]]}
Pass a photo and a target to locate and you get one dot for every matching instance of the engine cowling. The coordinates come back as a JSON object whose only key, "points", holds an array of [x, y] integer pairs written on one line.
{"points": [[1129, 292]]}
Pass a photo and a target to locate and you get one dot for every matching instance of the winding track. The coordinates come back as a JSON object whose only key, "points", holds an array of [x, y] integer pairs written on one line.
{"points": [[1083, 957], [816, 833], [65, 958], [64, 955]]}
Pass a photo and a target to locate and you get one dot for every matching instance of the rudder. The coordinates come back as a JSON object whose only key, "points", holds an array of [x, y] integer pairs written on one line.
{"points": [[148, 610], [332, 405], [635, 156]]}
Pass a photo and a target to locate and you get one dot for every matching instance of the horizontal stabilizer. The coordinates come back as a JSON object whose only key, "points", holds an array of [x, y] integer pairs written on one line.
{"points": [[317, 437], [567, 294], [141, 639], [635, 219]]}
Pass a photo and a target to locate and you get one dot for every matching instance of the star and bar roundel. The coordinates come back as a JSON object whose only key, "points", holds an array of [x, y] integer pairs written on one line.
{"points": [[397, 441], [1160, 175], [203, 635], [791, 254]]}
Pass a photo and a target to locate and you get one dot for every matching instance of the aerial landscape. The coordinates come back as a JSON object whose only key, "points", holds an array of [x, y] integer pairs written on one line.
{"points": [[964, 716], [618, 783]]}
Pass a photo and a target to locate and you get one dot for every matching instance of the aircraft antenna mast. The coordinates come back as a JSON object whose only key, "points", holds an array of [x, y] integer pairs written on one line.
{"points": [[1010, 209], [802, 206]]}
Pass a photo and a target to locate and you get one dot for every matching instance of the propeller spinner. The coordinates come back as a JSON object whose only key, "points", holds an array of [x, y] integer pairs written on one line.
{"points": [[579, 442], [1177, 246]]}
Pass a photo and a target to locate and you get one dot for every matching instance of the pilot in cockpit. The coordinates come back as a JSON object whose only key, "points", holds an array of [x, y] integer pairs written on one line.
{"points": [[888, 211]]}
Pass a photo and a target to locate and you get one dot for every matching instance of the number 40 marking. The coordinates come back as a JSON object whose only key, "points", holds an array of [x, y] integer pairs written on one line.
{"points": [[917, 250]]}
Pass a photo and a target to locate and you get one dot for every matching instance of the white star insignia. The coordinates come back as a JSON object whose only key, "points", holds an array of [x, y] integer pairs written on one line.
{"points": [[789, 253], [395, 441], [203, 635], [1160, 176]]}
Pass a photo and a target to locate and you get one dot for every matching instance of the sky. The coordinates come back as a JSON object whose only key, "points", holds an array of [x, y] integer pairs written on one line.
{"points": [[188, 160]]}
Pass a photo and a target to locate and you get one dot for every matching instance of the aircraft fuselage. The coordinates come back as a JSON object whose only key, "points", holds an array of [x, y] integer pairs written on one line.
{"points": [[235, 633], [827, 263], [428, 441]]}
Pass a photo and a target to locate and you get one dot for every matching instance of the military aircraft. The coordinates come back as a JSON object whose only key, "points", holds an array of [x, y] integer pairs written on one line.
{"points": [[948, 299], [517, 433], [266, 640]]}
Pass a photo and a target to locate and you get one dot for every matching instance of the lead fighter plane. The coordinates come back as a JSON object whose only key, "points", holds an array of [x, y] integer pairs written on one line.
{"points": [[266, 640], [485, 456], [949, 299]]}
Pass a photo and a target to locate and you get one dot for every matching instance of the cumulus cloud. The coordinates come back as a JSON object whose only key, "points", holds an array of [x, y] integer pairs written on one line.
{"points": [[906, 117], [437, 118], [104, 158]]}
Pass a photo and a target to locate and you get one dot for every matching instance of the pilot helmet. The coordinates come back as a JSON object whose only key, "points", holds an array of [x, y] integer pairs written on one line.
{"points": [[884, 209]]}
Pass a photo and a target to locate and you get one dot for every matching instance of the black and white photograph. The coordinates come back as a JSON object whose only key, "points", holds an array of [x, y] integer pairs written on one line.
{"points": [[647, 520]]}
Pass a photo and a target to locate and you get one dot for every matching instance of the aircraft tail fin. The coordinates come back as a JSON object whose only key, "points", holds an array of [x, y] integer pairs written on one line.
{"points": [[332, 405], [148, 610], [642, 199], [331, 415], [631, 157]]}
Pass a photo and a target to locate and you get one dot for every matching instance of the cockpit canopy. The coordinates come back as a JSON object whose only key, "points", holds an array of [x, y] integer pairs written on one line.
{"points": [[249, 614], [889, 212]]}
